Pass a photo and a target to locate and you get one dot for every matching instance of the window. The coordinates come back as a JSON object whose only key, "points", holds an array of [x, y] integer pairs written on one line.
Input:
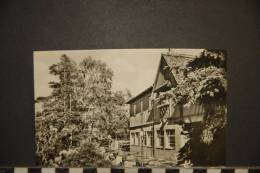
{"points": [[160, 137], [134, 109], [132, 138], [149, 139], [138, 106], [145, 139], [137, 139], [141, 106], [149, 102], [164, 110], [171, 138], [131, 109], [145, 103]]}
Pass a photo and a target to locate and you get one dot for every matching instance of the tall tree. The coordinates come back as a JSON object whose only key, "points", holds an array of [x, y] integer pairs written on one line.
{"points": [[79, 115], [57, 118], [64, 89], [96, 91]]}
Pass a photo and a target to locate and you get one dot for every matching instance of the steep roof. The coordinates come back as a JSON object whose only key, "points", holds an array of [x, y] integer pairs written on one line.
{"points": [[160, 79], [148, 90], [175, 62]]}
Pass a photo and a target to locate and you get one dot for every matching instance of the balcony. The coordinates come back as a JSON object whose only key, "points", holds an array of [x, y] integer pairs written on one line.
{"points": [[139, 119]]}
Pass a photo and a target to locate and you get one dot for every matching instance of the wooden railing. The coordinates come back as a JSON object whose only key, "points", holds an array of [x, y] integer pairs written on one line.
{"points": [[139, 119]]}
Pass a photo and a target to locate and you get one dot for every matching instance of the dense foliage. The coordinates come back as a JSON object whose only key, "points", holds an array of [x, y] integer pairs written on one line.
{"points": [[204, 82], [81, 116]]}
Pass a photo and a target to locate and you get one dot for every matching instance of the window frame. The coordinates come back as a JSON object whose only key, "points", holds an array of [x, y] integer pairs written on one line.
{"points": [[137, 135], [150, 139], [134, 107], [144, 139], [141, 106], [169, 137], [160, 139], [133, 138]]}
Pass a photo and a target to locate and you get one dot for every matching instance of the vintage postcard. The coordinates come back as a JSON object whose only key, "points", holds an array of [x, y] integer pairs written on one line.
{"points": [[131, 107]]}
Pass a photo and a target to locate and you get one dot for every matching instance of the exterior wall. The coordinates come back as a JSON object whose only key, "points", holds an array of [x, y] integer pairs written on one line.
{"points": [[179, 141], [136, 151], [164, 152], [139, 119], [166, 138], [140, 104], [169, 155]]}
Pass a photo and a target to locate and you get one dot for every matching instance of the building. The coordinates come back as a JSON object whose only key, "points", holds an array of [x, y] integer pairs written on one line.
{"points": [[154, 128]]}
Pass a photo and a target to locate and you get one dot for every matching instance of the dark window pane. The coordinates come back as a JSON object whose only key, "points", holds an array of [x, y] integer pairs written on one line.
{"points": [[132, 110], [62, 170], [138, 107], [144, 170], [145, 103], [34, 170], [172, 170], [89, 170], [199, 170], [117, 170]]}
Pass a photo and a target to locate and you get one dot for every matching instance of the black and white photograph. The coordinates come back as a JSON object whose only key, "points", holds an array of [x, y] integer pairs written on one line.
{"points": [[130, 107]]}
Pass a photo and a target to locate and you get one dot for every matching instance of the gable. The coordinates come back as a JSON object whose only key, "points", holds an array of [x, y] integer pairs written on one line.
{"points": [[164, 76], [176, 61], [160, 80]]}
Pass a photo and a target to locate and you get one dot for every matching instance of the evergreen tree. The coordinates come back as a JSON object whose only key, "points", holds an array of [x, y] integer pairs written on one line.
{"points": [[78, 116]]}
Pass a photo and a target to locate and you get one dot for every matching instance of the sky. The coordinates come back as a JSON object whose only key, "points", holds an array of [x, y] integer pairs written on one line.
{"points": [[134, 69]]}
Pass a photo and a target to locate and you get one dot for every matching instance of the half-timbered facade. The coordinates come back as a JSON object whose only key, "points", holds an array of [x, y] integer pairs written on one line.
{"points": [[154, 128]]}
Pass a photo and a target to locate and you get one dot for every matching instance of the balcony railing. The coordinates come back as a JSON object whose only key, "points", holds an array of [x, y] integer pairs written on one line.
{"points": [[139, 119]]}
